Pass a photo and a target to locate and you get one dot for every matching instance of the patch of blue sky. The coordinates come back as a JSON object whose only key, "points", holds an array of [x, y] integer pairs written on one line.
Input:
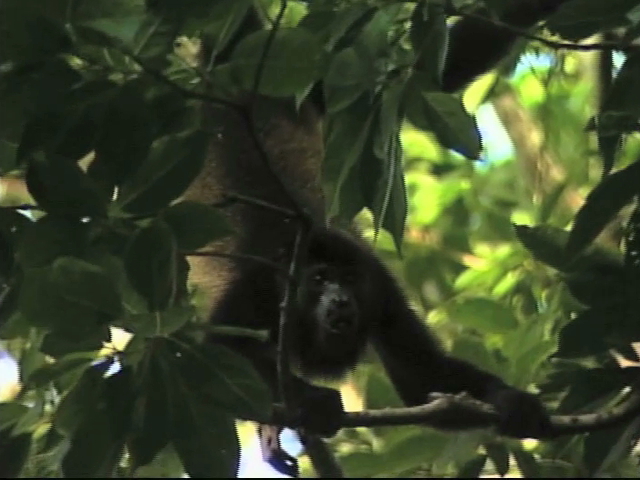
{"points": [[9, 372], [251, 463], [497, 146]]}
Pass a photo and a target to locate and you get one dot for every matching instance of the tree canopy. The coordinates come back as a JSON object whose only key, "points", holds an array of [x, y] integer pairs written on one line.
{"points": [[507, 210]]}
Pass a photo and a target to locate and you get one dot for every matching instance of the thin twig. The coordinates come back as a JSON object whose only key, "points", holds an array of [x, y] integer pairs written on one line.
{"points": [[249, 114], [231, 198], [282, 360], [186, 92], [265, 53], [555, 44]]}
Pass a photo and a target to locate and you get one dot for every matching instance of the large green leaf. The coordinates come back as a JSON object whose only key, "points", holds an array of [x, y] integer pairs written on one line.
{"points": [[125, 138], [578, 19], [60, 187], [172, 165], [194, 224], [445, 116], [97, 443], [202, 433], [602, 204], [483, 314], [293, 62], [43, 303], [152, 408], [51, 237], [14, 451], [151, 264]]}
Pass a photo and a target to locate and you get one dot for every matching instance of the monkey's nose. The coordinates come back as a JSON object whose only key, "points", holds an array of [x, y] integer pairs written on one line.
{"points": [[343, 317]]}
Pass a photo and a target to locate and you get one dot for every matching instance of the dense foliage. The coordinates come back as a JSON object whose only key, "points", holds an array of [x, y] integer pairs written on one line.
{"points": [[100, 114]]}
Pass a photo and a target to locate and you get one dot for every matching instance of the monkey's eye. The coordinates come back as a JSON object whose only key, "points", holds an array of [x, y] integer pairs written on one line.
{"points": [[350, 277], [320, 275]]}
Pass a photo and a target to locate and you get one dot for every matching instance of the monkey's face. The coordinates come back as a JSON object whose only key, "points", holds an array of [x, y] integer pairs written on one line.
{"points": [[330, 330], [331, 300]]}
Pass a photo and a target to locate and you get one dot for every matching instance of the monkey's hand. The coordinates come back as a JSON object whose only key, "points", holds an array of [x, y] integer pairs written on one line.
{"points": [[320, 412], [522, 415]]}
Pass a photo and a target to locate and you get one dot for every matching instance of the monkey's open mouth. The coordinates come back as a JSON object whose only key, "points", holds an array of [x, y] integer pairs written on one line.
{"points": [[341, 323]]}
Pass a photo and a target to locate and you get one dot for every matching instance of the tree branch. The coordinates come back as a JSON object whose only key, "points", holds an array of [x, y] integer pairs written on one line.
{"points": [[323, 460], [461, 412], [282, 360], [554, 44], [232, 198]]}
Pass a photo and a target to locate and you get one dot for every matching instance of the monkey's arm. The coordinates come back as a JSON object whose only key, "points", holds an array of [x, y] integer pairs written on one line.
{"points": [[476, 46], [417, 366]]}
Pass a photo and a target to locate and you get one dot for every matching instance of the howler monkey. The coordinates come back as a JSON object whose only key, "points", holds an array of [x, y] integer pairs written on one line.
{"points": [[346, 298]]}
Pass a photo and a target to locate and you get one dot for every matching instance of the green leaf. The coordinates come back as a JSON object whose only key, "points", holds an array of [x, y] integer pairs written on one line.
{"points": [[203, 435], [607, 446], [347, 68], [59, 343], [162, 322], [589, 333], [428, 35], [154, 38], [338, 98], [587, 387], [621, 107], [43, 305], [527, 463], [599, 286], [10, 413], [194, 225], [151, 265], [11, 225], [548, 244], [41, 242], [14, 452], [601, 205], [60, 187], [381, 174], [125, 138], [499, 455], [152, 409], [225, 18], [346, 25], [293, 62], [225, 379], [205, 438], [69, 364], [468, 346], [473, 468], [67, 126], [173, 164], [346, 139], [109, 31], [98, 439], [81, 282], [30, 37], [483, 314], [165, 464], [578, 19], [446, 117], [80, 402]]}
